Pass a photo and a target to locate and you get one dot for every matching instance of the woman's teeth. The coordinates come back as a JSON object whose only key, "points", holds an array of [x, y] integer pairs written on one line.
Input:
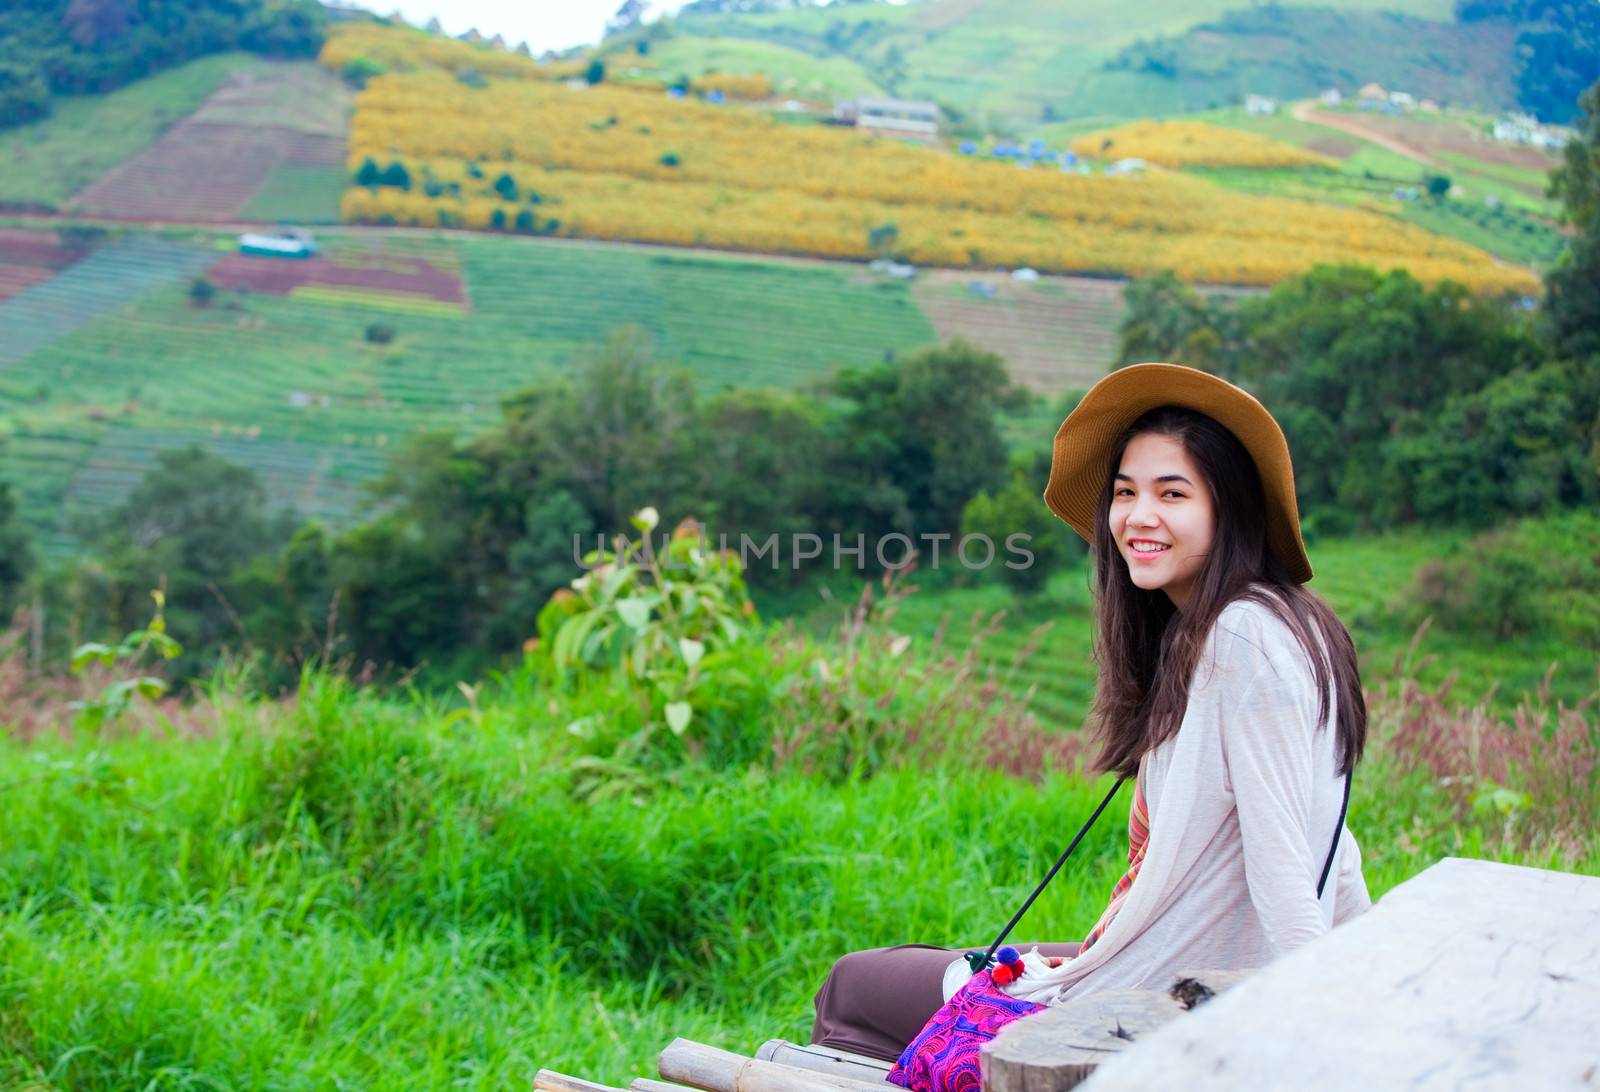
{"points": [[1147, 548]]}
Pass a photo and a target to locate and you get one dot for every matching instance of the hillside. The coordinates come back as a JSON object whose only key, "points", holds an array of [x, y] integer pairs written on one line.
{"points": [[1003, 65], [437, 145], [109, 361]]}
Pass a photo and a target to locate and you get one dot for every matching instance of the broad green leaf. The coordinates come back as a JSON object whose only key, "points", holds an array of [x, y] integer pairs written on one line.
{"points": [[94, 650], [635, 611], [692, 650]]}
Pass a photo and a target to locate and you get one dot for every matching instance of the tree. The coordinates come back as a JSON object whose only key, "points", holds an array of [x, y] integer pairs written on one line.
{"points": [[369, 175], [1167, 320], [916, 440], [395, 174], [1513, 448], [1438, 186], [595, 73], [193, 521], [1349, 358], [506, 186], [762, 474], [1572, 289], [1016, 510], [90, 22], [16, 553], [883, 239]]}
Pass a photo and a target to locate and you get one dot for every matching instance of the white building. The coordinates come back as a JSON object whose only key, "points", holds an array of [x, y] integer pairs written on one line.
{"points": [[909, 117]]}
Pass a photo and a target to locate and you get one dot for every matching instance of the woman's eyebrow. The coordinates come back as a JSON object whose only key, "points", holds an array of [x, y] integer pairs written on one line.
{"points": [[1162, 478]]}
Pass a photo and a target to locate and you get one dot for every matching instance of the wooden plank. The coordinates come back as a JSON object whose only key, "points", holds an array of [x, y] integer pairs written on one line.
{"points": [[715, 1070], [1059, 1048], [1470, 975], [548, 1080], [841, 1063]]}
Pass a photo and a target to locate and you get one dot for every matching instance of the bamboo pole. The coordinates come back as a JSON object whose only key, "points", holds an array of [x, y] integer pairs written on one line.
{"points": [[714, 1070], [548, 1080]]}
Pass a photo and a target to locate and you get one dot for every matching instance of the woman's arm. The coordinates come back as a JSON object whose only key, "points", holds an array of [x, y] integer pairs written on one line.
{"points": [[1350, 897], [1267, 751]]}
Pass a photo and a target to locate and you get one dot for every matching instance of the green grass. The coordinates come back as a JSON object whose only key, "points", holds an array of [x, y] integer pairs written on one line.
{"points": [[268, 371], [48, 161], [1508, 233], [302, 195], [352, 890]]}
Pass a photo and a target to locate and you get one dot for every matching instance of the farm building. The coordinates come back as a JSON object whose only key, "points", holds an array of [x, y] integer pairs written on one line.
{"points": [[908, 117], [1256, 105]]}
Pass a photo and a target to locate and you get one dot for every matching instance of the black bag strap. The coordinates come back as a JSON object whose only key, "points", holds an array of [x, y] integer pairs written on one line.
{"points": [[1338, 832], [979, 961]]}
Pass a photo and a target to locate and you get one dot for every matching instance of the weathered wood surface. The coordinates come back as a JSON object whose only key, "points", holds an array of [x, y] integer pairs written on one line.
{"points": [[1057, 1049], [548, 1080], [841, 1063], [1472, 975], [715, 1070]]}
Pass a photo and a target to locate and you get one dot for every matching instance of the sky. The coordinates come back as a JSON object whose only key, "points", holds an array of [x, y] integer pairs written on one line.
{"points": [[543, 24]]}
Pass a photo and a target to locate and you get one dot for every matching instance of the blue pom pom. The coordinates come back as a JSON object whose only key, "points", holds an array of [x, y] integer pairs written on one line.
{"points": [[1008, 954]]}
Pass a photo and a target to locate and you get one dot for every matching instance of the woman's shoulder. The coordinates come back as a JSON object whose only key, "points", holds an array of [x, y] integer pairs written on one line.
{"points": [[1253, 627]]}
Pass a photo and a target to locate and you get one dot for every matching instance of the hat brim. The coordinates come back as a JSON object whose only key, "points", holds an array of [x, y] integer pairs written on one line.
{"points": [[1080, 458]]}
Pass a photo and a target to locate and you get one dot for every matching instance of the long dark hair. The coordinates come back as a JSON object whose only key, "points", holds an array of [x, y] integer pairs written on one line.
{"points": [[1147, 649]]}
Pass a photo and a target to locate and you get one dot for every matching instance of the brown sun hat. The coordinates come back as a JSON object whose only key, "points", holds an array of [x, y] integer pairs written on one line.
{"points": [[1082, 453]]}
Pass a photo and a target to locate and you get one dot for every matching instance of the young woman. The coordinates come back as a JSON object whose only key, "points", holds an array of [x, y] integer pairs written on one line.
{"points": [[1228, 694]]}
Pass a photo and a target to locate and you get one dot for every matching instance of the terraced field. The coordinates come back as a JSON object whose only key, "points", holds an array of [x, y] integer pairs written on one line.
{"points": [[100, 284], [1056, 333], [289, 385], [271, 136], [29, 257]]}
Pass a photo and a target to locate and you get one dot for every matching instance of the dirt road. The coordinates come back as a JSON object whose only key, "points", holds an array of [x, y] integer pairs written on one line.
{"points": [[1306, 110]]}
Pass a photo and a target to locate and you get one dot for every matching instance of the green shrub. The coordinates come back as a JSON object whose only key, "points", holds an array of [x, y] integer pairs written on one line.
{"points": [[358, 70], [379, 333], [1536, 577], [202, 291]]}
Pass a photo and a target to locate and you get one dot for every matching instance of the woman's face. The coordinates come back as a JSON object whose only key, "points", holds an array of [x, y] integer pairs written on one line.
{"points": [[1161, 516]]}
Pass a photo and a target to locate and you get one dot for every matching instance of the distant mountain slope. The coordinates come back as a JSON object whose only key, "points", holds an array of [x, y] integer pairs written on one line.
{"points": [[999, 63], [1297, 52]]}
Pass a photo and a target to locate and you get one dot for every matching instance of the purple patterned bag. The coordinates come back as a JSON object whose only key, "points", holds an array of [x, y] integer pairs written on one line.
{"points": [[944, 1055]]}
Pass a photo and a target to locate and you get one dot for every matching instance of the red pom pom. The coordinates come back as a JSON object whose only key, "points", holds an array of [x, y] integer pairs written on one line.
{"points": [[1017, 968], [1003, 975]]}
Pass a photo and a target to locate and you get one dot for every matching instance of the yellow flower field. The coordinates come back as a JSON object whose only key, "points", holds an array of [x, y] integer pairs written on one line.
{"points": [[1194, 144], [613, 162]]}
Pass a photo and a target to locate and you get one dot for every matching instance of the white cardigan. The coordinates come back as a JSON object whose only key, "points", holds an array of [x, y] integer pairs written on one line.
{"points": [[1243, 803]]}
